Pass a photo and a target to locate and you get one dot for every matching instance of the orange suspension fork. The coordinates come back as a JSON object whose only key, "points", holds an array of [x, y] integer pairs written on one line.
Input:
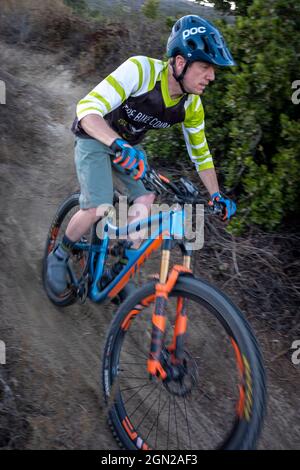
{"points": [[163, 288], [177, 346]]}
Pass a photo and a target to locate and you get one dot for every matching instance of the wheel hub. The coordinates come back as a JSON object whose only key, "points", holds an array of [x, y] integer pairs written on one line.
{"points": [[181, 378]]}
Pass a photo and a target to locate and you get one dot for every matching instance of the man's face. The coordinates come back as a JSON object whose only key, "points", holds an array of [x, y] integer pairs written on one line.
{"points": [[198, 76]]}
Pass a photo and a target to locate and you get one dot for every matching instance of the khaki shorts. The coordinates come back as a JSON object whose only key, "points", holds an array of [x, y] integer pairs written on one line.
{"points": [[95, 170]]}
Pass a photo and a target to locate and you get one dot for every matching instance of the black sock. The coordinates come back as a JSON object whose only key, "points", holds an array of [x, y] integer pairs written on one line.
{"points": [[67, 244], [65, 247]]}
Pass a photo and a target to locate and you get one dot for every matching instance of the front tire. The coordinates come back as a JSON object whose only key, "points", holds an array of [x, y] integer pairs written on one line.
{"points": [[226, 402]]}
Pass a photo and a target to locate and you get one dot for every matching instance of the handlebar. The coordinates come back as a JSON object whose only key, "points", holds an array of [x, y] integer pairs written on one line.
{"points": [[183, 191]]}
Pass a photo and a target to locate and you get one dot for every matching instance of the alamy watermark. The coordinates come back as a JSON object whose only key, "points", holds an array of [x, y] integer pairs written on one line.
{"points": [[2, 92], [296, 94], [180, 222], [2, 353], [296, 353]]}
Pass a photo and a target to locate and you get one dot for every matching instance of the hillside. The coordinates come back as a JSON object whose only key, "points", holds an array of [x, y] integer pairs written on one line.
{"points": [[167, 7]]}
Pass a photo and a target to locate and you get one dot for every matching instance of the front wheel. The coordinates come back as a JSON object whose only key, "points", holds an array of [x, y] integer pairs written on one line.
{"points": [[218, 402]]}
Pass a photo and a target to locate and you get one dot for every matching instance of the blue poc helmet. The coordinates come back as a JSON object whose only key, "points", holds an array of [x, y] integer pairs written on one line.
{"points": [[195, 39]]}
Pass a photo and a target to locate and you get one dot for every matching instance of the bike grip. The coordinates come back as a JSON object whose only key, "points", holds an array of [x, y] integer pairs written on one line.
{"points": [[164, 178]]}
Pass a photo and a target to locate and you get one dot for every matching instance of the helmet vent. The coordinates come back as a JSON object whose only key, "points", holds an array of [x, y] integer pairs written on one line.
{"points": [[192, 45], [177, 26], [217, 39], [223, 53], [206, 46]]}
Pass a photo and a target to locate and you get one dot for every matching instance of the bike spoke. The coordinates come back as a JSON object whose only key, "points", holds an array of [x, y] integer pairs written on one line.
{"points": [[149, 409], [176, 422], [156, 419], [125, 352], [139, 405], [141, 387], [187, 423], [132, 377], [184, 414], [169, 423], [134, 363], [130, 388]]}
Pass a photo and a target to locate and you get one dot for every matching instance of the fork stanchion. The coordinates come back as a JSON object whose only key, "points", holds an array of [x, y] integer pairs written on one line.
{"points": [[159, 315], [158, 330], [163, 288], [187, 259], [177, 346], [165, 262]]}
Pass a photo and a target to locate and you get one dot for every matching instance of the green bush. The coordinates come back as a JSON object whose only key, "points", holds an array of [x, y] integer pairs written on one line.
{"points": [[150, 9], [252, 125]]}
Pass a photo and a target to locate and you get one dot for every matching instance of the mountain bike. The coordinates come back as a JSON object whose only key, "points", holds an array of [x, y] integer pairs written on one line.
{"points": [[181, 366]]}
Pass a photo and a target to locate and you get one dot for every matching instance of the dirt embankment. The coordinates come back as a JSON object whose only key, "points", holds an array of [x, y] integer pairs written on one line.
{"points": [[53, 357], [50, 390]]}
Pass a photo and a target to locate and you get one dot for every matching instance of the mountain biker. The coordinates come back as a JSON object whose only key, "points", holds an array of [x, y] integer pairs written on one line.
{"points": [[141, 94]]}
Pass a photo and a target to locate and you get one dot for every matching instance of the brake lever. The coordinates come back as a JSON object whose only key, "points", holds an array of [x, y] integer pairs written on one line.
{"points": [[216, 208]]}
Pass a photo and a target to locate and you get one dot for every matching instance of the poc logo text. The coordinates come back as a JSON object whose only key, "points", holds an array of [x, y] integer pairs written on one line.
{"points": [[190, 32]]}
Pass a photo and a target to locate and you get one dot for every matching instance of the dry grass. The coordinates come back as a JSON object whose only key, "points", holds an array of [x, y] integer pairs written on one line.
{"points": [[30, 20], [33, 5], [34, 8], [93, 47], [259, 272], [54, 27]]}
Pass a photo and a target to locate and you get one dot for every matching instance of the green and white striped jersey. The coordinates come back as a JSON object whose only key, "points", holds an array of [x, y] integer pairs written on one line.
{"points": [[135, 98]]}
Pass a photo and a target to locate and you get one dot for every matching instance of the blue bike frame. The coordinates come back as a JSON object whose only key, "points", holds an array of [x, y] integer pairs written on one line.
{"points": [[169, 225]]}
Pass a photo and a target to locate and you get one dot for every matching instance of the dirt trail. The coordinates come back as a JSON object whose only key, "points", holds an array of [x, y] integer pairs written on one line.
{"points": [[53, 356]]}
